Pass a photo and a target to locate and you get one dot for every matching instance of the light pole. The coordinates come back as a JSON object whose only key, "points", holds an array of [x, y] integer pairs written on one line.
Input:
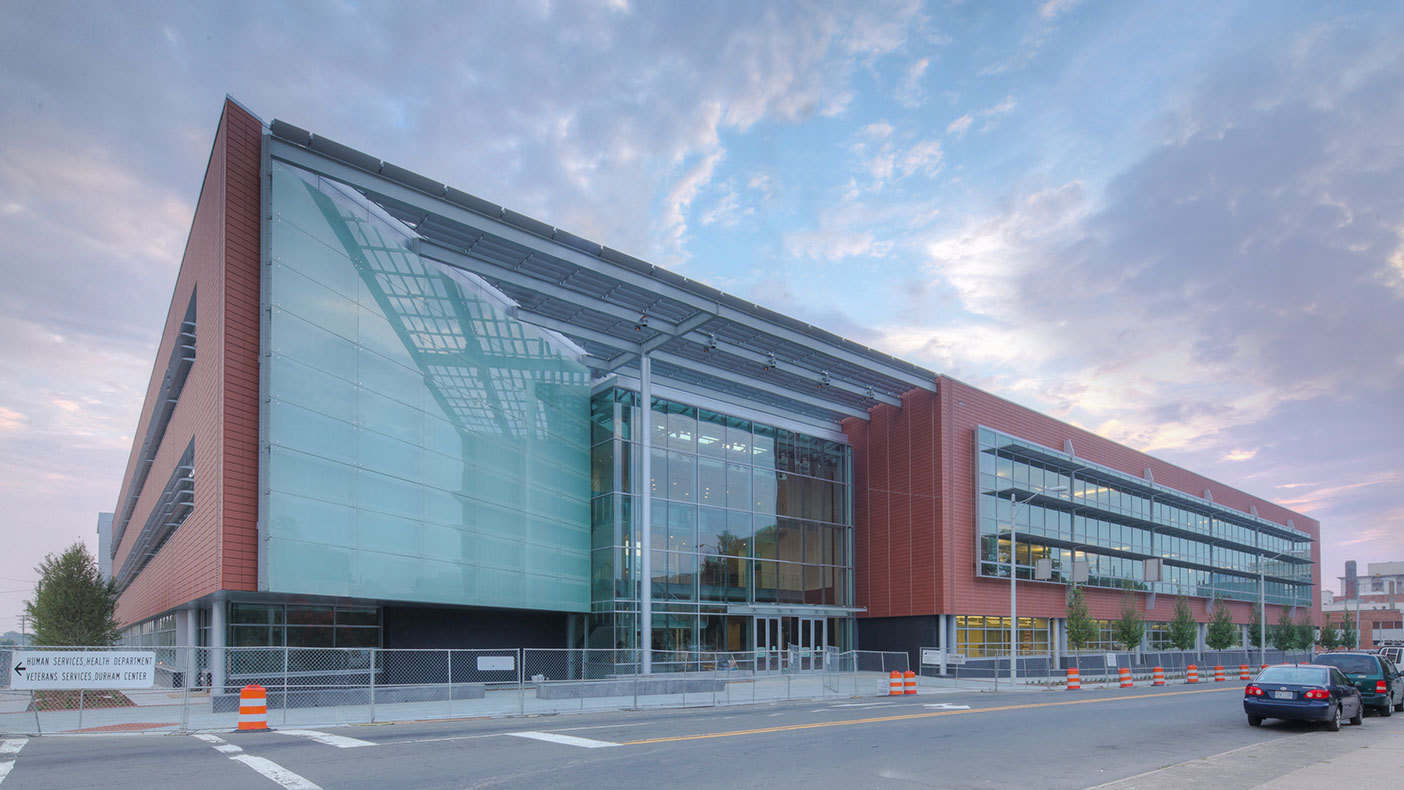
{"points": [[1014, 503]]}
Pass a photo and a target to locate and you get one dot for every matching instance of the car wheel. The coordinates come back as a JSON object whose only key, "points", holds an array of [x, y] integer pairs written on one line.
{"points": [[1334, 725], [1359, 717], [1255, 721], [1387, 710], [1399, 707]]}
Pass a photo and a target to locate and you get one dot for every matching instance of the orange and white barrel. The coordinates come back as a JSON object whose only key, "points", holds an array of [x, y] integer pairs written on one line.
{"points": [[1191, 674], [909, 682], [1074, 681], [1218, 674], [1125, 673], [1243, 672], [253, 709], [894, 684], [1158, 676]]}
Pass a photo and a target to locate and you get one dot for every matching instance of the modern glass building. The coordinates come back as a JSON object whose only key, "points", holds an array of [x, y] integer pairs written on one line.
{"points": [[388, 413]]}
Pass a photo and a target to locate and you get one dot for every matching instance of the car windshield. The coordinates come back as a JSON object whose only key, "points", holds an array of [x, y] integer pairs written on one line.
{"points": [[1351, 665], [1309, 676]]}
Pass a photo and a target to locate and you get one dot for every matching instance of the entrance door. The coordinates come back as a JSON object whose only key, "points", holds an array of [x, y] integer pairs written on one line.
{"points": [[793, 643]]}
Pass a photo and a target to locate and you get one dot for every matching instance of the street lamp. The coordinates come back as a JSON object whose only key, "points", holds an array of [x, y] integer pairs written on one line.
{"points": [[1014, 503]]}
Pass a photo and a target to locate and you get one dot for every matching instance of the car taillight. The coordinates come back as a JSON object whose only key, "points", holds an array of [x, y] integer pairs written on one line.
{"points": [[1253, 691], [1317, 694], [1381, 688]]}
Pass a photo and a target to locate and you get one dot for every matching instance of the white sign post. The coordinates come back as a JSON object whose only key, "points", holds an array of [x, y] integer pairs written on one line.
{"points": [[75, 669]]}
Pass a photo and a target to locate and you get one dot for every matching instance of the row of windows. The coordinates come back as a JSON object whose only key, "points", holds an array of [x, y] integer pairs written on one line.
{"points": [[1127, 573], [982, 636], [680, 427], [682, 527], [680, 576]]}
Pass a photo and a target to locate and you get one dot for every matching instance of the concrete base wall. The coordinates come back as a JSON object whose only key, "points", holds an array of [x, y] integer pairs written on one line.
{"points": [[322, 698]]}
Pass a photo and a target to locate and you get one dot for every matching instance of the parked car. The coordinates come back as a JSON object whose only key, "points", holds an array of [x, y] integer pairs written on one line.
{"points": [[1393, 653], [1378, 679], [1303, 692]]}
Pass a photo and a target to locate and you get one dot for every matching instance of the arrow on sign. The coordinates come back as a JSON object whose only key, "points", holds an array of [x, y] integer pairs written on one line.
{"points": [[19, 668]]}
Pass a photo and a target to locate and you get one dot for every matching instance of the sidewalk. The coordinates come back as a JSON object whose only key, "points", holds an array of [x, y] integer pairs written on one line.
{"points": [[1371, 755]]}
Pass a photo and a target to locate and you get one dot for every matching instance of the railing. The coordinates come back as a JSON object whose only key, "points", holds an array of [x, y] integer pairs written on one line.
{"points": [[196, 689], [992, 672]]}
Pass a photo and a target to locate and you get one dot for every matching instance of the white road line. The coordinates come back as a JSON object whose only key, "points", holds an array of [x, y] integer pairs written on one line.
{"points": [[604, 727], [10, 748], [339, 741], [268, 768], [946, 706], [568, 740], [276, 772]]}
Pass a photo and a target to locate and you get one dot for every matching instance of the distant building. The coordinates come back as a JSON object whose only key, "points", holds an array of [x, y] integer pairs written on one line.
{"points": [[1380, 605], [104, 532], [17, 638]]}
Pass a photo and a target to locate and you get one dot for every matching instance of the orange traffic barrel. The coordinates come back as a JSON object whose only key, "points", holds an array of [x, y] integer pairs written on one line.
{"points": [[910, 682], [1243, 672], [1125, 673], [1191, 674], [1074, 682], [1158, 676], [1218, 674], [894, 684], [253, 709], [1261, 668]]}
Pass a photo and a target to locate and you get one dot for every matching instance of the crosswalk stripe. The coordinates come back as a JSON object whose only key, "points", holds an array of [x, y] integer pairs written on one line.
{"points": [[339, 741], [568, 740], [266, 767], [10, 748]]}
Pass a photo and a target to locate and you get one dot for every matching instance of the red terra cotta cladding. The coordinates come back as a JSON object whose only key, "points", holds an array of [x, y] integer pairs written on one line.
{"points": [[216, 548], [914, 490]]}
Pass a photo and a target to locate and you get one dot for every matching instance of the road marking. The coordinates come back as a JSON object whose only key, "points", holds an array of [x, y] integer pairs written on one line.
{"points": [[339, 741], [276, 772], [268, 768], [10, 748], [908, 716], [568, 740], [946, 706]]}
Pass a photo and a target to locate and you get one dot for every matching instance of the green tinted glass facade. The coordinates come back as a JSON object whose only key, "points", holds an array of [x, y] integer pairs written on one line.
{"points": [[423, 445], [745, 516], [1116, 522]]}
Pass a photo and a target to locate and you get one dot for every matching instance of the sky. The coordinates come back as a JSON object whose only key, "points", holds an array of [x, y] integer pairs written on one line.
{"points": [[1178, 225]]}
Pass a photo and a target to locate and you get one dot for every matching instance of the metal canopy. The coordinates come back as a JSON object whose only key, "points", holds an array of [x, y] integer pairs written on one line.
{"points": [[617, 307]]}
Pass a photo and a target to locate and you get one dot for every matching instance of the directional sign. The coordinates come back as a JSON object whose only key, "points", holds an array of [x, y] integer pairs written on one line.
{"points": [[112, 669]]}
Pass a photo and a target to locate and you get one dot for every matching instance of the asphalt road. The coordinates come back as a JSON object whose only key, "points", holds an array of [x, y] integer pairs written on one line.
{"points": [[1051, 740]]}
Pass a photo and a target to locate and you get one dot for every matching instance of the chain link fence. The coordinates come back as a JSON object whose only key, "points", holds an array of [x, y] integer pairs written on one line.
{"points": [[1102, 667], [196, 689]]}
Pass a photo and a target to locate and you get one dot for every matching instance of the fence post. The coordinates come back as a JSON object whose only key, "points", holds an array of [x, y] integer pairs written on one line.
{"points": [[375, 660], [450, 682], [80, 708], [521, 680], [185, 695], [285, 685]]}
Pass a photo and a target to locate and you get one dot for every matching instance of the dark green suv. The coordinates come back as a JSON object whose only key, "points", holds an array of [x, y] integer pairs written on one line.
{"points": [[1381, 686]]}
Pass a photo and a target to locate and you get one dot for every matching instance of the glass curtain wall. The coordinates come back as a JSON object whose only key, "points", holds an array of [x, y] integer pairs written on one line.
{"points": [[1115, 522], [743, 514], [423, 444]]}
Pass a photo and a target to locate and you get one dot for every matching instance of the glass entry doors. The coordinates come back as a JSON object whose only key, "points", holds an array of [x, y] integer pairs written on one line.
{"points": [[790, 643]]}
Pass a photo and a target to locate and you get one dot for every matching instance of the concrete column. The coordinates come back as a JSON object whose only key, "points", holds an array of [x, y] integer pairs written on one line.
{"points": [[217, 637], [644, 430], [1055, 642]]}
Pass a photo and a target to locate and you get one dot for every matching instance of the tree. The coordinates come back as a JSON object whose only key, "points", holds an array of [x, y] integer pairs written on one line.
{"points": [[1184, 630], [1255, 627], [1284, 634], [1081, 631], [1131, 628], [1306, 631], [1220, 635], [1330, 637], [1349, 637], [72, 603]]}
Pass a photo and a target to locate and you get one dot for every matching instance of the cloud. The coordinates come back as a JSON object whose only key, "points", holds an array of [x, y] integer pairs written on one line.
{"points": [[960, 126], [910, 93], [11, 420], [1222, 300]]}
